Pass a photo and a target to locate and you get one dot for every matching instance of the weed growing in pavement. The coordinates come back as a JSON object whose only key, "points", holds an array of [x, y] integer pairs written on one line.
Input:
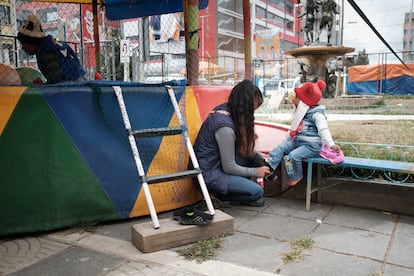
{"points": [[204, 250], [297, 246], [83, 227]]}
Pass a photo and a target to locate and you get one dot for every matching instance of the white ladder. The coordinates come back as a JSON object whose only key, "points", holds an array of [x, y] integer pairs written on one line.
{"points": [[153, 132]]}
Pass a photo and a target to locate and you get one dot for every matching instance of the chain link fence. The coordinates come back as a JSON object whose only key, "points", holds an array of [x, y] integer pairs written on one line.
{"points": [[150, 49]]}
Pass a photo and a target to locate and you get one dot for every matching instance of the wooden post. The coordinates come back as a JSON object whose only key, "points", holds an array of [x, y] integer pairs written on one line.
{"points": [[192, 39], [247, 40]]}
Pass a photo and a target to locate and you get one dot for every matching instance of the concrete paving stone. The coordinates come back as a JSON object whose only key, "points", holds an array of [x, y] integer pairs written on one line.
{"points": [[319, 262], [370, 220], [391, 270], [168, 258], [278, 227], [402, 250], [18, 253], [406, 226], [240, 216], [296, 208], [67, 236], [351, 241], [253, 251], [73, 261], [268, 201], [138, 268], [348, 241], [120, 230]]}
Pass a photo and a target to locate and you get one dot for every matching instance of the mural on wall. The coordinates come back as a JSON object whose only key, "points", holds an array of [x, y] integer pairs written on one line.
{"points": [[268, 44]]}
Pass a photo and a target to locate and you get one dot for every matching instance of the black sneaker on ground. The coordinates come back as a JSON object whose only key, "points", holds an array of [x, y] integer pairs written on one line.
{"points": [[191, 215], [181, 212]]}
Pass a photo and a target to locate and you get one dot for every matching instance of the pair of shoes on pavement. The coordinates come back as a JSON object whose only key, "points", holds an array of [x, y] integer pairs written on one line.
{"points": [[191, 215], [258, 203]]}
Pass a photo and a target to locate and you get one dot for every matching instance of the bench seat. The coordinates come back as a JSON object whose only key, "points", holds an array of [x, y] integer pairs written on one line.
{"points": [[354, 162]]}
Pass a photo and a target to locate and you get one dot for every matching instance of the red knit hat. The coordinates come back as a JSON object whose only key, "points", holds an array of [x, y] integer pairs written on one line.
{"points": [[310, 93]]}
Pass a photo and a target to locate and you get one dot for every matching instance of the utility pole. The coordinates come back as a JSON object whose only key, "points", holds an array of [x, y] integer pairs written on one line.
{"points": [[410, 34], [342, 23], [247, 40]]}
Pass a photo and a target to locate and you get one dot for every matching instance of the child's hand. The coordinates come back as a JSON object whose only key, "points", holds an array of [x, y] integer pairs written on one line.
{"points": [[335, 147]]}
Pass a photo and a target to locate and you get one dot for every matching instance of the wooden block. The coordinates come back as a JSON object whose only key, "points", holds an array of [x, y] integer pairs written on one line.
{"points": [[173, 234]]}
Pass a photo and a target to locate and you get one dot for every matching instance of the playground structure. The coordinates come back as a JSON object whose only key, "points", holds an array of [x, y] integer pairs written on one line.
{"points": [[67, 160]]}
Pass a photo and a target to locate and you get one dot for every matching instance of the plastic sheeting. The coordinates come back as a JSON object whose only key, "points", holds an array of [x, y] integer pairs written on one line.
{"points": [[391, 79], [124, 9]]}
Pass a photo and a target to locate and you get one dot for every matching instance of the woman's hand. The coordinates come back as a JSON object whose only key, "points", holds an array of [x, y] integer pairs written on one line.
{"points": [[262, 171]]}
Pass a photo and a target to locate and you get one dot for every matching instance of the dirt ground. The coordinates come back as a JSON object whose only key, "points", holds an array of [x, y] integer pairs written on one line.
{"points": [[381, 132]]}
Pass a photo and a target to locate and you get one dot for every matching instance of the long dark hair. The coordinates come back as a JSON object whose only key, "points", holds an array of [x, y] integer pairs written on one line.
{"points": [[241, 103]]}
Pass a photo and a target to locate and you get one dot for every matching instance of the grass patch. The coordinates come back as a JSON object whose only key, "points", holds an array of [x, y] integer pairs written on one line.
{"points": [[297, 246], [203, 250], [83, 227], [303, 243]]}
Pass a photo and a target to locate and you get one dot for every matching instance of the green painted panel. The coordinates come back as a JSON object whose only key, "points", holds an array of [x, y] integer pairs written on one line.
{"points": [[44, 182]]}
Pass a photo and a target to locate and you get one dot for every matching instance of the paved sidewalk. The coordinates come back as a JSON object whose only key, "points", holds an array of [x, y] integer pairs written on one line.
{"points": [[347, 241], [283, 116]]}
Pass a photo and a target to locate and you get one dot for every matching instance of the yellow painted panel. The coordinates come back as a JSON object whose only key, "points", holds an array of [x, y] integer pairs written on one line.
{"points": [[9, 96], [173, 194]]}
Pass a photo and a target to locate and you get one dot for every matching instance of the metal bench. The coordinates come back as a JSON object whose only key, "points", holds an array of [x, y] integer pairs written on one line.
{"points": [[355, 162]]}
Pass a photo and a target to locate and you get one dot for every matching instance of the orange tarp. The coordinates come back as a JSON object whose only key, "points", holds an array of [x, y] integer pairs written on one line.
{"points": [[378, 72]]}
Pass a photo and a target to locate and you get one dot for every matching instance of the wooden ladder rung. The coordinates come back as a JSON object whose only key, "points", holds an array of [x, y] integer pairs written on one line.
{"points": [[155, 132], [172, 176]]}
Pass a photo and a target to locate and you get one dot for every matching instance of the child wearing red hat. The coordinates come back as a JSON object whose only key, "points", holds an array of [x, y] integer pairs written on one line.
{"points": [[307, 134]]}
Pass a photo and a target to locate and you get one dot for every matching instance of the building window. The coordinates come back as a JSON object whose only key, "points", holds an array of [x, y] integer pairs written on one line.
{"points": [[8, 53], [53, 32], [260, 12], [21, 17], [5, 14], [48, 15], [230, 44], [228, 23]]}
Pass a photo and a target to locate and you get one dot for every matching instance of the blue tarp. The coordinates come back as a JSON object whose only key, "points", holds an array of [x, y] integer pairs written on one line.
{"points": [[403, 85], [391, 79], [124, 9]]}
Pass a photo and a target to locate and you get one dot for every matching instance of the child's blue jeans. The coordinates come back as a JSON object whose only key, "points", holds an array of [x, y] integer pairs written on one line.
{"points": [[297, 149]]}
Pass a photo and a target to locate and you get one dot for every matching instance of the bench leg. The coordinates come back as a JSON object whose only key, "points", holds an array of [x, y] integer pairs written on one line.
{"points": [[318, 182], [309, 185]]}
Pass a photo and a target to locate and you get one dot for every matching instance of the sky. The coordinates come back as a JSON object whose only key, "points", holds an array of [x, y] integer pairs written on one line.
{"points": [[386, 15]]}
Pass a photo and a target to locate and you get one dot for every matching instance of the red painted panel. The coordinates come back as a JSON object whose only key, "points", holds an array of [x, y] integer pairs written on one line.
{"points": [[209, 97]]}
